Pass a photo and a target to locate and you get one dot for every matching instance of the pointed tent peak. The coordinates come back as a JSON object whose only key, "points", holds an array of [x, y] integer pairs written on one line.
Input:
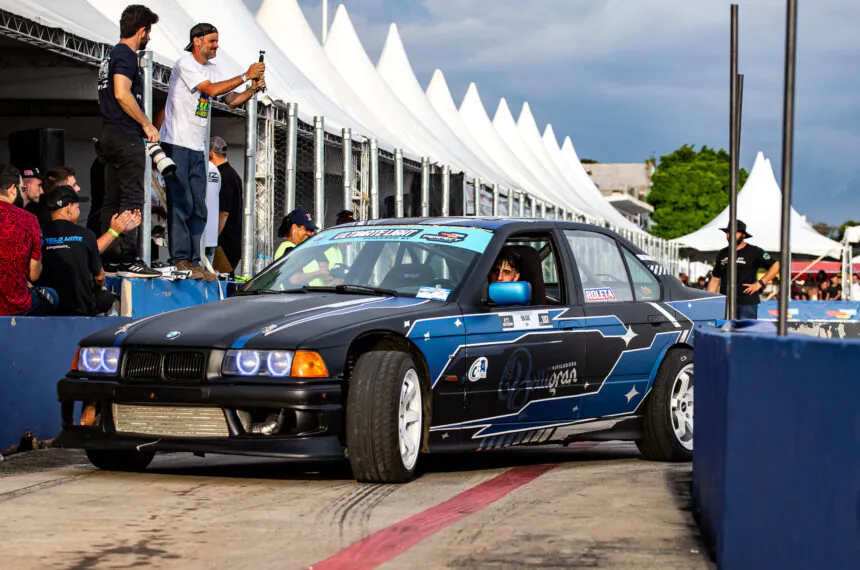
{"points": [[549, 134], [472, 106], [526, 114], [393, 44], [472, 95], [503, 112], [438, 81], [341, 27], [438, 91]]}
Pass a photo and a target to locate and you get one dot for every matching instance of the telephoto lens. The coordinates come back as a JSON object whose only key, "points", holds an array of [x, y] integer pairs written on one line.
{"points": [[160, 160]]}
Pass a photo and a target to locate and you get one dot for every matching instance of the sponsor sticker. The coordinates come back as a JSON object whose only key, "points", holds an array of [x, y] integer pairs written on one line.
{"points": [[843, 313], [445, 237], [525, 320], [478, 370], [435, 293], [599, 295]]}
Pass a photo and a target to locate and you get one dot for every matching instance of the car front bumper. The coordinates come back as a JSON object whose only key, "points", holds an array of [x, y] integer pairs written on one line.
{"points": [[312, 428]]}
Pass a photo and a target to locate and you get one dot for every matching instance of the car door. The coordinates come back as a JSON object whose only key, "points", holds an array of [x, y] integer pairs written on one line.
{"points": [[627, 327], [523, 361]]}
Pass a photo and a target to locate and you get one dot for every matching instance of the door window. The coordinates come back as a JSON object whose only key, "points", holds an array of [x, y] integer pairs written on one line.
{"points": [[645, 285], [540, 267], [601, 269]]}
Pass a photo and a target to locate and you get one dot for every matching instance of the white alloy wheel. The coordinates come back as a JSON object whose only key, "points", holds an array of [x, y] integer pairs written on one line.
{"points": [[410, 419], [681, 406]]}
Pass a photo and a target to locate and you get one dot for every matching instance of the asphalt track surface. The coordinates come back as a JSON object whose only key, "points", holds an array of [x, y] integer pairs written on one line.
{"points": [[579, 507]]}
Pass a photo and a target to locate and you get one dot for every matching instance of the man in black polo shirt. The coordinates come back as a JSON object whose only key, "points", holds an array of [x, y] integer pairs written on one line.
{"points": [[70, 258], [230, 207], [750, 259]]}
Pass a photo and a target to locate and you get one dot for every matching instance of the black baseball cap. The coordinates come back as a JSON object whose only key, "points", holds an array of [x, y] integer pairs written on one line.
{"points": [[742, 227], [62, 196], [198, 31], [298, 217], [33, 172]]}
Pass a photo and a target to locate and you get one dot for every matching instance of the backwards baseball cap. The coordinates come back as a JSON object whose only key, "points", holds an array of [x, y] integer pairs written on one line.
{"points": [[218, 145], [198, 31], [31, 173], [298, 217], [62, 196], [742, 227]]}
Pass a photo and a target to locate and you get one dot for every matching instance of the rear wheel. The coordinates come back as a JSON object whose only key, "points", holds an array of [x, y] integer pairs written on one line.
{"points": [[667, 427], [385, 417], [120, 460]]}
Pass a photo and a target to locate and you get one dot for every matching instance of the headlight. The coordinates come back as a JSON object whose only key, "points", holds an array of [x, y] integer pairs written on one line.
{"points": [[274, 363], [98, 360]]}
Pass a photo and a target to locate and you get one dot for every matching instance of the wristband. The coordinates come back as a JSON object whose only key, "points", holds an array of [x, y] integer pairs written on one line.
{"points": [[760, 282], [113, 232], [244, 79]]}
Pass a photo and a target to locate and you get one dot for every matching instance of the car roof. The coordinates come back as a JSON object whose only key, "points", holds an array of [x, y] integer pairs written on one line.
{"points": [[485, 223]]}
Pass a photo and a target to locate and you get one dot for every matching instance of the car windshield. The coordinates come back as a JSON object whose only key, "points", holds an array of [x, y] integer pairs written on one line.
{"points": [[411, 261]]}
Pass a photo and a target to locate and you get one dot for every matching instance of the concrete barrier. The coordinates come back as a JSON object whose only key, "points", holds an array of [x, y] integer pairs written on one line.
{"points": [[776, 463], [36, 353]]}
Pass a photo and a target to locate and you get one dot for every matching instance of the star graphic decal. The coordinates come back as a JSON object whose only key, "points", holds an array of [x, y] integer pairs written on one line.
{"points": [[458, 323], [585, 387], [631, 394], [407, 324], [427, 335], [628, 336], [689, 305], [445, 435], [575, 409]]}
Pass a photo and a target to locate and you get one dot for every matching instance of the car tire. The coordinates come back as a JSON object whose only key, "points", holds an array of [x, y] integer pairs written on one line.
{"points": [[120, 460], [385, 417], [667, 425]]}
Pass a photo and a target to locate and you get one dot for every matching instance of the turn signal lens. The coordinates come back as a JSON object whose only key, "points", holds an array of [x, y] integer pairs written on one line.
{"points": [[88, 414], [76, 358], [307, 364]]}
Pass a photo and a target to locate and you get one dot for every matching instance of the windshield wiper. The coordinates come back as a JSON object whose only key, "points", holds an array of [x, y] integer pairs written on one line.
{"points": [[358, 289], [275, 292]]}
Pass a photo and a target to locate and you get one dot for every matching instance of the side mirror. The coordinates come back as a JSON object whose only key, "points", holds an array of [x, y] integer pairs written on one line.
{"points": [[513, 293]]}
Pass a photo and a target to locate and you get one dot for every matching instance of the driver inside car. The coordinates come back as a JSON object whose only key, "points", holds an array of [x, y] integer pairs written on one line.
{"points": [[506, 269]]}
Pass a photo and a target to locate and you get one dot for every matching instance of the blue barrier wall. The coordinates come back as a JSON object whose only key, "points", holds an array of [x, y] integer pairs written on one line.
{"points": [[835, 311], [144, 297], [776, 463], [36, 353]]}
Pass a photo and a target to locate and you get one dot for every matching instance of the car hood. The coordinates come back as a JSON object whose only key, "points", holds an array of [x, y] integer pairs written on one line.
{"points": [[263, 321]]}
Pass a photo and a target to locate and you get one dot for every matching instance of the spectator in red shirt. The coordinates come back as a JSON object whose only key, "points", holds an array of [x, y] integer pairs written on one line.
{"points": [[20, 252]]}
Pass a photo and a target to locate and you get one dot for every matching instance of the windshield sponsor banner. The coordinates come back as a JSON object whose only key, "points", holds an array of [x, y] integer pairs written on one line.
{"points": [[473, 239], [437, 294]]}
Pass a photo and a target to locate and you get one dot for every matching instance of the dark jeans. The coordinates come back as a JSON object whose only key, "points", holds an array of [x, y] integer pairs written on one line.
{"points": [[44, 302], [104, 301], [125, 161], [747, 311], [186, 203]]}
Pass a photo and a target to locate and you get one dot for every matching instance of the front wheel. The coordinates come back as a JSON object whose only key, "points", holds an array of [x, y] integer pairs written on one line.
{"points": [[667, 426], [120, 460], [384, 417]]}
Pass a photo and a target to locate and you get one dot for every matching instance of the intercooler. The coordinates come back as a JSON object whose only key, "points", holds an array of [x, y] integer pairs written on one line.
{"points": [[170, 421]]}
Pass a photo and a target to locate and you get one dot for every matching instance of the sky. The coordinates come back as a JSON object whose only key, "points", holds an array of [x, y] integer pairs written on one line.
{"points": [[627, 79]]}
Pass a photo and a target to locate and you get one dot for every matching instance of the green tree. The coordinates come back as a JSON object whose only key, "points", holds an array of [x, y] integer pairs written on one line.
{"points": [[839, 232], [689, 188]]}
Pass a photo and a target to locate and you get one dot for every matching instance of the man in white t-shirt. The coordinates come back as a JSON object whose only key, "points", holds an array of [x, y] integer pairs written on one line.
{"points": [[213, 192], [194, 81]]}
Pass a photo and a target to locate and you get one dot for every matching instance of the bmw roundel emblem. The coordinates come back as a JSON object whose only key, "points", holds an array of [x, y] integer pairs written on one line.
{"points": [[173, 335]]}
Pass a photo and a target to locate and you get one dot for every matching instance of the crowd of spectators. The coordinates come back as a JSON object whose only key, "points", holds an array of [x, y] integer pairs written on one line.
{"points": [[820, 287], [50, 263]]}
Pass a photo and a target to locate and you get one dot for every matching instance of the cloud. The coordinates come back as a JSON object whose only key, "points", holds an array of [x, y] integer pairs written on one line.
{"points": [[628, 79]]}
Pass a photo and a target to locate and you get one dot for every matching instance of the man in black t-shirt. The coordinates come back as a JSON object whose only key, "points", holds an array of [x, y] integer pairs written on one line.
{"points": [[71, 264], [230, 204], [750, 259], [124, 128]]}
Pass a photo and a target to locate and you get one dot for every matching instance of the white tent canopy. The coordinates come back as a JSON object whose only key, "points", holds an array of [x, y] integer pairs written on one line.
{"points": [[475, 118], [759, 206], [396, 71]]}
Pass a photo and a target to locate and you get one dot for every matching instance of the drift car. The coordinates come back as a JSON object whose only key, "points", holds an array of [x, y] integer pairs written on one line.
{"points": [[380, 341]]}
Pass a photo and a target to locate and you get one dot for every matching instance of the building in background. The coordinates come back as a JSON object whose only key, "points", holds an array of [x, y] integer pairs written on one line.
{"points": [[625, 187]]}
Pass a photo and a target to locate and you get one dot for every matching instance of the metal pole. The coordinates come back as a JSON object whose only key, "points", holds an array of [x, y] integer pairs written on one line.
{"points": [[522, 205], [292, 144], [543, 209], [425, 187], [478, 186], [732, 285], [346, 136], [250, 198], [496, 199], [374, 179], [740, 111], [206, 139], [146, 216], [319, 171], [465, 196], [787, 164], [446, 189], [398, 183]]}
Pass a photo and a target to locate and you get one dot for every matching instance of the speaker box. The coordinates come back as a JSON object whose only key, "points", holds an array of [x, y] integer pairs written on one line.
{"points": [[45, 148]]}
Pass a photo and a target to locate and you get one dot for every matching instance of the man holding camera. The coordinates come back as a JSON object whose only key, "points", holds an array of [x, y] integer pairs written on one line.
{"points": [[124, 129], [194, 81]]}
